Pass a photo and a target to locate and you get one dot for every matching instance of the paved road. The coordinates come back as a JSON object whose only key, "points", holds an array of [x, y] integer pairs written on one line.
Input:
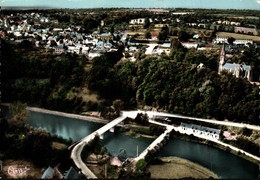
{"points": [[76, 156], [152, 114], [76, 152]]}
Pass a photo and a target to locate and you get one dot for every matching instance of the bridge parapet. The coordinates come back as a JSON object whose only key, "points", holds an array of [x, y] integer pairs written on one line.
{"points": [[76, 151], [112, 129]]}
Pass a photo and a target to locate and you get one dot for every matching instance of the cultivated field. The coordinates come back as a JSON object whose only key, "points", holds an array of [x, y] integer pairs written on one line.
{"points": [[242, 36]]}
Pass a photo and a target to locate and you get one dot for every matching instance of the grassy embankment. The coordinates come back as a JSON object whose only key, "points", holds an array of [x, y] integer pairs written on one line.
{"points": [[176, 168]]}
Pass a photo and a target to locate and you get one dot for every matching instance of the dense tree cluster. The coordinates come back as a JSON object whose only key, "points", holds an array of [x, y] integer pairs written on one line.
{"points": [[179, 87], [41, 82], [34, 145], [182, 88], [173, 84]]}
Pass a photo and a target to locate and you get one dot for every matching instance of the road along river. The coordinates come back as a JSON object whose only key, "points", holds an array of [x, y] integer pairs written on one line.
{"points": [[224, 164]]}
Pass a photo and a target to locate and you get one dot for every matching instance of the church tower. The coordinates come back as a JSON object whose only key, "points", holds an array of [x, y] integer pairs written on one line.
{"points": [[222, 58]]}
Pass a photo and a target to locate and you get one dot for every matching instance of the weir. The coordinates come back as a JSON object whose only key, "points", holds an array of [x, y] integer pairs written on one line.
{"points": [[156, 144]]}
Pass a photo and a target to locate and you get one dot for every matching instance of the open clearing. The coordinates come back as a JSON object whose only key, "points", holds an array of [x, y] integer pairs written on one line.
{"points": [[242, 36], [176, 168]]}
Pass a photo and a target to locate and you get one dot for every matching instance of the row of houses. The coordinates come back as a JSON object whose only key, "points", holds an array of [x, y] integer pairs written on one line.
{"points": [[60, 40], [141, 21], [201, 130], [67, 40], [210, 42], [224, 39], [233, 23], [200, 23]]}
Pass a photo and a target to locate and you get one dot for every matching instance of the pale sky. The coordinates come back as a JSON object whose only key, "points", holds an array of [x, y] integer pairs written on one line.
{"points": [[211, 4]]}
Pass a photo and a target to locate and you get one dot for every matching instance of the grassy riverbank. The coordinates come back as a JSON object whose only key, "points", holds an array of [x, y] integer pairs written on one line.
{"points": [[176, 168]]}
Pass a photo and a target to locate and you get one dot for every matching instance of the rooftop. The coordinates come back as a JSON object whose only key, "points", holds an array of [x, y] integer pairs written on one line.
{"points": [[71, 174], [201, 128], [235, 66], [48, 173]]}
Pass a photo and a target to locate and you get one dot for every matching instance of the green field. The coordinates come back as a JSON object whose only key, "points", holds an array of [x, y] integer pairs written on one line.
{"points": [[236, 16], [252, 17], [241, 36]]}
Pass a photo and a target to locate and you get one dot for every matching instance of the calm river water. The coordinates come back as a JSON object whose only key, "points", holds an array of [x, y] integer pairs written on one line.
{"points": [[224, 164]]}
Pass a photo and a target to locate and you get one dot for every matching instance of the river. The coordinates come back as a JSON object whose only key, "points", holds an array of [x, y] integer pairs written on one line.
{"points": [[225, 165]]}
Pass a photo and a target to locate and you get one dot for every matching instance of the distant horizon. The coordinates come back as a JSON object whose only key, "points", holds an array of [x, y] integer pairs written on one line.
{"points": [[96, 4], [50, 8]]}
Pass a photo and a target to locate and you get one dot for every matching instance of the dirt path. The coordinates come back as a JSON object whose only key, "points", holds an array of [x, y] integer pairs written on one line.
{"points": [[175, 168]]}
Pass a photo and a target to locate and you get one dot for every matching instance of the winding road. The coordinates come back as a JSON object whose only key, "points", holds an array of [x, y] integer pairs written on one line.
{"points": [[76, 151]]}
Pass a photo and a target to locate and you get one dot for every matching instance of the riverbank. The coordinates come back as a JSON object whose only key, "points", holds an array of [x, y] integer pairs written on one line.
{"points": [[216, 145], [176, 168], [98, 120], [58, 113]]}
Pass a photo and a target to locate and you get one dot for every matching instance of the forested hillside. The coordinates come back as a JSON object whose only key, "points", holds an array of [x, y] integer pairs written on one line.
{"points": [[171, 84]]}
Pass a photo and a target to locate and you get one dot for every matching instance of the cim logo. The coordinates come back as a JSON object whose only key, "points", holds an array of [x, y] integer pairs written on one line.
{"points": [[14, 171]]}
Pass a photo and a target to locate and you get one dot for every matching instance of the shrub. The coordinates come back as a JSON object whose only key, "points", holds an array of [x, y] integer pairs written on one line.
{"points": [[245, 131], [140, 165], [228, 149], [142, 119]]}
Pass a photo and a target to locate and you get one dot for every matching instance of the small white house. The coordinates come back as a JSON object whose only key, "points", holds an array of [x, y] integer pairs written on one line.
{"points": [[95, 53], [189, 45], [137, 21]]}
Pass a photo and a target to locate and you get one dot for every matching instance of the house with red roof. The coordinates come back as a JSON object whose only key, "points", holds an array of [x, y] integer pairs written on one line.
{"points": [[154, 36]]}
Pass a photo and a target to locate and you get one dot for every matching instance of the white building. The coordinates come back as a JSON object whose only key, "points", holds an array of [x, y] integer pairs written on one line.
{"points": [[17, 34], [137, 21], [95, 53], [59, 50], [85, 50], [222, 39], [189, 45], [57, 29], [243, 41], [201, 130], [44, 19]]}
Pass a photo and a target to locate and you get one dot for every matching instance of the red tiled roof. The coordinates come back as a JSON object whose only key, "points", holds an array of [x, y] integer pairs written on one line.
{"points": [[154, 33], [18, 21], [206, 37], [188, 42]]}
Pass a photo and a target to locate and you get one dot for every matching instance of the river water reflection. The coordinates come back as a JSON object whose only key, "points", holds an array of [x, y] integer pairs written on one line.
{"points": [[224, 164]]}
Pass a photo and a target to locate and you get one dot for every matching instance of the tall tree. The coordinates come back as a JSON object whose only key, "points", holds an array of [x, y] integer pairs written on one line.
{"points": [[231, 40], [146, 23], [147, 35]]}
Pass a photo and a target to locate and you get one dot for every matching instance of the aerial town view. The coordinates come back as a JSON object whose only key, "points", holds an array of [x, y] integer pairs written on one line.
{"points": [[155, 89]]}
